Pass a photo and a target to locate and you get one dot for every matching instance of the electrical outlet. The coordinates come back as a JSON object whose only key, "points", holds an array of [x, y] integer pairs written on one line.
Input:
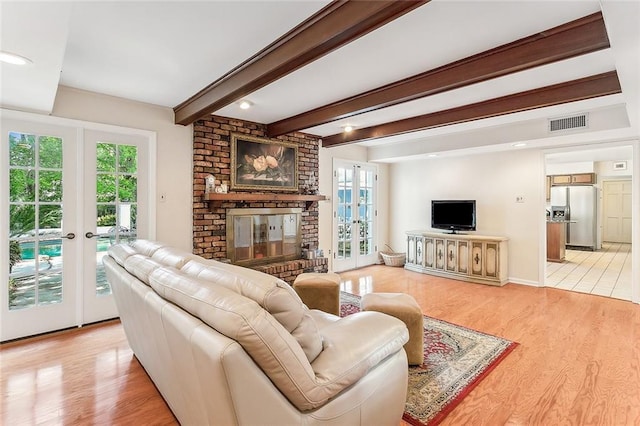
{"points": [[519, 199]]}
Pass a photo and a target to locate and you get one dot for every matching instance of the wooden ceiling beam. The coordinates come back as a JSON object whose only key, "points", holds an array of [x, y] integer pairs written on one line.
{"points": [[576, 90], [336, 25], [584, 35]]}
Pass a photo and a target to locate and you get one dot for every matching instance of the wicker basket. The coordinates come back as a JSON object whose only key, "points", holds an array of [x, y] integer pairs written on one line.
{"points": [[393, 259]]}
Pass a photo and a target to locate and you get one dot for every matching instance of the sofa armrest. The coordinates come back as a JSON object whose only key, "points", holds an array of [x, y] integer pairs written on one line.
{"points": [[355, 344]]}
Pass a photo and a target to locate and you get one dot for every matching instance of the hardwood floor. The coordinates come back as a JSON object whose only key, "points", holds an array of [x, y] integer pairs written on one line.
{"points": [[578, 362]]}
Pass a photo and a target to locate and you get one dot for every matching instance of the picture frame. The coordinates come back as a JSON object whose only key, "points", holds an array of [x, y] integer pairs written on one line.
{"points": [[620, 165], [263, 164]]}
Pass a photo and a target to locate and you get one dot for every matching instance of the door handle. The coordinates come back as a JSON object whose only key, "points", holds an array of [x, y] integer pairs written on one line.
{"points": [[69, 236], [91, 235]]}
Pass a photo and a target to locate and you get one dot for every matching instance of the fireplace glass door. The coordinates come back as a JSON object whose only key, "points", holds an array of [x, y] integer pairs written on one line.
{"points": [[256, 236]]}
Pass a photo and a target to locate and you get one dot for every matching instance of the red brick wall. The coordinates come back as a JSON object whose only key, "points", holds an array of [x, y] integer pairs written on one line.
{"points": [[212, 155]]}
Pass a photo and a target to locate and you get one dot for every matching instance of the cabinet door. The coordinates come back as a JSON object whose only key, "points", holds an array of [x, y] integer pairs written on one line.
{"points": [[560, 179], [429, 252], [491, 260], [477, 258], [584, 178], [463, 257], [411, 249], [452, 255], [440, 254], [419, 251]]}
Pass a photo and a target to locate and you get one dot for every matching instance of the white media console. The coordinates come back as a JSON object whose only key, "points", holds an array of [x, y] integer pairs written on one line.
{"points": [[475, 258]]}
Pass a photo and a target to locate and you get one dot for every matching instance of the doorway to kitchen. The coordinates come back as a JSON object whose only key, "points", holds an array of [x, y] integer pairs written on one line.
{"points": [[605, 269]]}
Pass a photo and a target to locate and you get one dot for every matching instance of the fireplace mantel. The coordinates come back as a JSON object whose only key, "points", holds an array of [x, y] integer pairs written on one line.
{"points": [[214, 197]]}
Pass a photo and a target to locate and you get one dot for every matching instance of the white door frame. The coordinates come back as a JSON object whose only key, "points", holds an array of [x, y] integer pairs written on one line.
{"points": [[357, 260], [78, 128]]}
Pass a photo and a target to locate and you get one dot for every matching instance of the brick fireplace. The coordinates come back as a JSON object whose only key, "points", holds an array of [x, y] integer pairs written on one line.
{"points": [[212, 155]]}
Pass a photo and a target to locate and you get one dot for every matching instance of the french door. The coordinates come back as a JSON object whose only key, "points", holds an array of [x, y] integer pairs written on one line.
{"points": [[354, 215], [115, 210], [67, 194]]}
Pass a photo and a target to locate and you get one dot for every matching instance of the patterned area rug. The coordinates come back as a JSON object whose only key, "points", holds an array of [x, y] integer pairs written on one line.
{"points": [[455, 360]]}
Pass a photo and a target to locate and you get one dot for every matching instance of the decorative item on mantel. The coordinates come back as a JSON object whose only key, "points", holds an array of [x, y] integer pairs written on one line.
{"points": [[210, 186], [310, 187], [209, 183]]}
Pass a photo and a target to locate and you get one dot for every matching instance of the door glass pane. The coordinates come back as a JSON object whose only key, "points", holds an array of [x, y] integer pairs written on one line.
{"points": [[22, 149], [106, 157], [260, 234], [50, 152], [344, 212], [365, 211], [127, 188], [106, 188], [127, 159], [35, 220], [116, 199], [50, 186], [22, 184]]}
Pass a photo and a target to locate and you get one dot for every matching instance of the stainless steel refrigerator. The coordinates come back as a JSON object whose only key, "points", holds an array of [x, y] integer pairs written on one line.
{"points": [[581, 203]]}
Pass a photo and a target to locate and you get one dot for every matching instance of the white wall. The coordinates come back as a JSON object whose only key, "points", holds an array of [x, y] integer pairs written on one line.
{"points": [[494, 181], [351, 153], [605, 170], [174, 153], [569, 168]]}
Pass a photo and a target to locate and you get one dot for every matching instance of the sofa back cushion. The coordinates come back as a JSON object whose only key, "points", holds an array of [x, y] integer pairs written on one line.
{"points": [[272, 294], [142, 257], [242, 319]]}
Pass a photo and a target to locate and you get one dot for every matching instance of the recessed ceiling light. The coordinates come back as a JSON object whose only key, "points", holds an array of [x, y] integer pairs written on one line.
{"points": [[519, 144], [347, 128], [432, 155], [245, 104], [12, 58]]}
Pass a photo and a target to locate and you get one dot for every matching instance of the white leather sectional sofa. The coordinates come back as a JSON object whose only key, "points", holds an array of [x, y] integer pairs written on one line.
{"points": [[226, 345]]}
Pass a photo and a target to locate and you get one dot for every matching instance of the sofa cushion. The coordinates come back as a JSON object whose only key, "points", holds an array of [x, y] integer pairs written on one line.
{"points": [[272, 294], [141, 266], [170, 256], [145, 247], [120, 252]]}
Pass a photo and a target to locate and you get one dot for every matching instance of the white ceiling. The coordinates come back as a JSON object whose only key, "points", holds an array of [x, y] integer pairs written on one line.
{"points": [[163, 52]]}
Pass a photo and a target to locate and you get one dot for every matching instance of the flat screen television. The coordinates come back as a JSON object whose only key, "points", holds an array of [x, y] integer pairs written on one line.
{"points": [[453, 215]]}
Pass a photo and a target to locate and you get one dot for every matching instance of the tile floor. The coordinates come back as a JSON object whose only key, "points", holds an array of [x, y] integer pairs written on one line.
{"points": [[606, 272]]}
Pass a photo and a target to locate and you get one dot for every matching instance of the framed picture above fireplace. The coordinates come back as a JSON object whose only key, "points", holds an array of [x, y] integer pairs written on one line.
{"points": [[263, 164]]}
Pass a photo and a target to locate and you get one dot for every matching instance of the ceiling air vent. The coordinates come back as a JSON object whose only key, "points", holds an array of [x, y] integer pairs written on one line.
{"points": [[568, 123]]}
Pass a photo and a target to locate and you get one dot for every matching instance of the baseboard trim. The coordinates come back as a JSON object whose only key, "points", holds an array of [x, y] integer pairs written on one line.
{"points": [[525, 282]]}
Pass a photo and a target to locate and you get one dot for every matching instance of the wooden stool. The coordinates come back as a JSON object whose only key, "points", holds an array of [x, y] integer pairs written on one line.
{"points": [[405, 308], [319, 291]]}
